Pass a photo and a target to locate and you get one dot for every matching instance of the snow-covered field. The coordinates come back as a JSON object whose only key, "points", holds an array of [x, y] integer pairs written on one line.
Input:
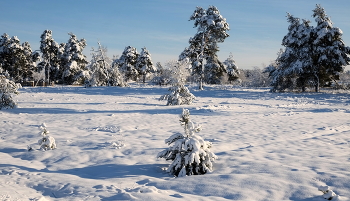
{"points": [[271, 146]]}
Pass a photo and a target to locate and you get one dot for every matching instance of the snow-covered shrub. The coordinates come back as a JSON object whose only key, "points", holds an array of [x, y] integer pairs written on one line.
{"points": [[46, 142], [7, 89], [190, 154], [119, 142], [179, 93], [328, 194]]}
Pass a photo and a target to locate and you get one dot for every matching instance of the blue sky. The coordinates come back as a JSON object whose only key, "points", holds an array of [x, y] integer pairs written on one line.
{"points": [[163, 27]]}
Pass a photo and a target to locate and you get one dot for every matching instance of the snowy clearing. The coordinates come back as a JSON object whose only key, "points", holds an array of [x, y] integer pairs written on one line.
{"points": [[270, 146]]}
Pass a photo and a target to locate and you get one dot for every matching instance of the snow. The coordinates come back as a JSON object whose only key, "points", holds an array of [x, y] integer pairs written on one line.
{"points": [[270, 146]]}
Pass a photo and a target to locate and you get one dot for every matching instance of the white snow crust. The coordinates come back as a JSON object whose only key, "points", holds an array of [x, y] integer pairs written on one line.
{"points": [[270, 146]]}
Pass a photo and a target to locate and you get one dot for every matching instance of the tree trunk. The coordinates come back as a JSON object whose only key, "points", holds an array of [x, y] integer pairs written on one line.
{"points": [[317, 85], [200, 83]]}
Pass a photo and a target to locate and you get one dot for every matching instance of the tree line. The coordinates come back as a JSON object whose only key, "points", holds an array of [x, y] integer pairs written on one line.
{"points": [[311, 57]]}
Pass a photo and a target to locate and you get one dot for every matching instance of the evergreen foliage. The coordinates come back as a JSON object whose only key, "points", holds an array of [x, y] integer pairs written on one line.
{"points": [[7, 89], [99, 67], [101, 71], [179, 93], [189, 153], [73, 60], [51, 62], [313, 56], [231, 68], [17, 59], [126, 63], [46, 142], [211, 29], [144, 64]]}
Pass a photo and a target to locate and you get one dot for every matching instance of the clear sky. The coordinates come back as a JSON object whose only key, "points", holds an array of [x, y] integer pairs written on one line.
{"points": [[163, 27]]}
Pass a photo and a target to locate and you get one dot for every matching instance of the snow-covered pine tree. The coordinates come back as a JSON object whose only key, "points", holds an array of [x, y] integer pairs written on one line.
{"points": [[50, 63], [5, 54], [99, 67], [46, 142], [231, 68], [27, 61], [7, 90], [295, 60], [144, 64], [313, 56], [126, 63], [15, 58], [189, 153], [211, 29], [214, 70], [116, 77], [329, 53], [73, 60], [179, 93]]}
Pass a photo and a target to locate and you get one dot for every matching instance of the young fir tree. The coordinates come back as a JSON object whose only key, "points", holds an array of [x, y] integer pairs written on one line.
{"points": [[179, 93], [144, 64], [189, 153], [211, 29], [73, 60], [126, 63], [231, 68], [7, 90], [99, 67], [46, 142]]}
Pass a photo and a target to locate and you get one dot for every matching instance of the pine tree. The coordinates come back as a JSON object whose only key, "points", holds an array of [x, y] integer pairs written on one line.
{"points": [[51, 63], [99, 67], [294, 62], [179, 93], [46, 142], [5, 54], [126, 63], [330, 53], [7, 90], [73, 60], [231, 68], [116, 77], [189, 153], [17, 59], [211, 29], [214, 70], [313, 56], [144, 64]]}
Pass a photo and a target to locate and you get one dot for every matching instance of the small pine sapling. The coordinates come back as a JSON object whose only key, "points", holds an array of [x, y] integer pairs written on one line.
{"points": [[46, 142], [190, 154], [179, 93], [328, 194]]}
